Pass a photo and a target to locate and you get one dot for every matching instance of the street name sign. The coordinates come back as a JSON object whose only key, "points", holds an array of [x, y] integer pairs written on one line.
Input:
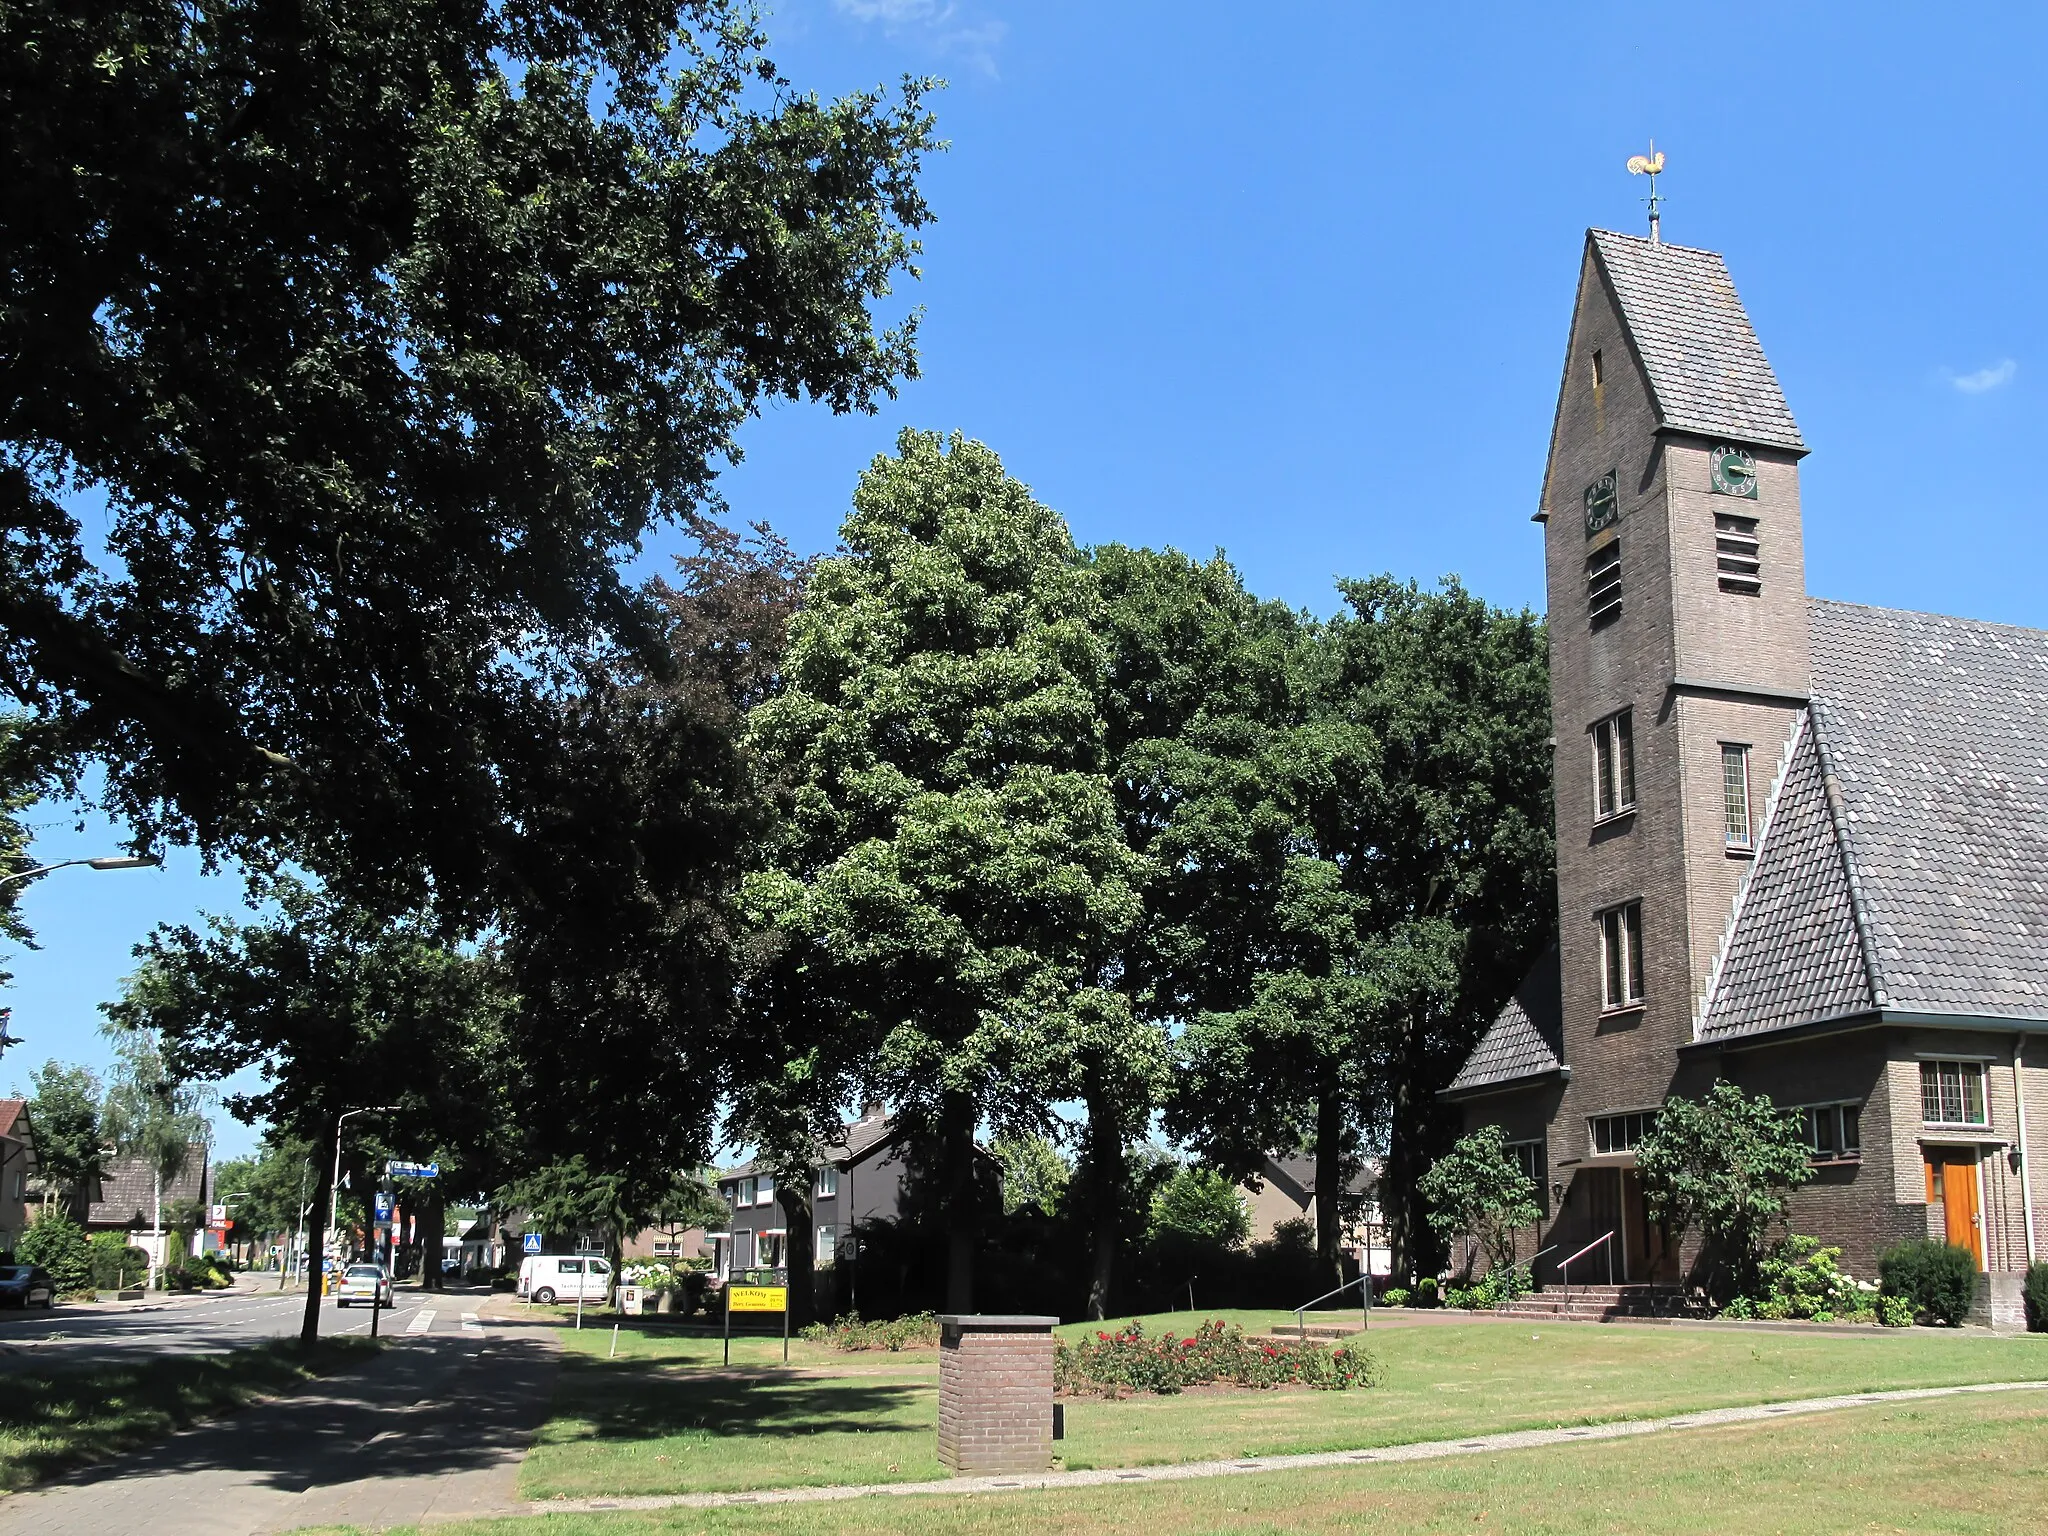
{"points": [[399, 1170]]}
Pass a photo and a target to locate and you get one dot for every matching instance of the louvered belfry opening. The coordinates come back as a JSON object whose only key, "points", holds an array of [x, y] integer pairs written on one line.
{"points": [[1738, 553], [1603, 584]]}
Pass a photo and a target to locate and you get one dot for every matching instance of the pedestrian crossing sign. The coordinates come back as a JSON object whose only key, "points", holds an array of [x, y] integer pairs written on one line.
{"points": [[530, 1243]]}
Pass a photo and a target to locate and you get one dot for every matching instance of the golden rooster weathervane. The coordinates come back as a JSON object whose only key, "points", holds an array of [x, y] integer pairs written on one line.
{"points": [[1649, 165]]}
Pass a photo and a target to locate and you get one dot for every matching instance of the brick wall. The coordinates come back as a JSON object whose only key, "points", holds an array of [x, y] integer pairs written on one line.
{"points": [[995, 1393]]}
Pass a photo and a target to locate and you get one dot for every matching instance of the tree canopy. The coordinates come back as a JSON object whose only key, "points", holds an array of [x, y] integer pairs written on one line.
{"points": [[70, 1131], [383, 331]]}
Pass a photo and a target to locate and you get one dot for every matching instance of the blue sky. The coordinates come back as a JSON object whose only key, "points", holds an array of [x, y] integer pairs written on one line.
{"points": [[1293, 281]]}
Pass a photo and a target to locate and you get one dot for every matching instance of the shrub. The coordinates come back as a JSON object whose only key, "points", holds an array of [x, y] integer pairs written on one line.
{"points": [[1198, 1208], [1477, 1188], [1723, 1166], [1425, 1292], [2036, 1293], [1802, 1279], [195, 1272], [1113, 1364], [117, 1265], [58, 1243], [1396, 1296], [1895, 1311], [1939, 1280], [919, 1330]]}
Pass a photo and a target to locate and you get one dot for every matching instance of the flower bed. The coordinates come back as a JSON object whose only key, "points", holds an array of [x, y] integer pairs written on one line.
{"points": [[920, 1330], [1217, 1353]]}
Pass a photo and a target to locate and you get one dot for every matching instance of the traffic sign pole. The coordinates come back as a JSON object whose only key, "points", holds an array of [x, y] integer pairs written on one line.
{"points": [[728, 1319]]}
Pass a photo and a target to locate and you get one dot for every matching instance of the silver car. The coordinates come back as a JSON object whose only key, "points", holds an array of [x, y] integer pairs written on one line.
{"points": [[363, 1282]]}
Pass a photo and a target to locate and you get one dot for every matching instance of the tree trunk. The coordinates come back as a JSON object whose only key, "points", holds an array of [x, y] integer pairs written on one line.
{"points": [[156, 1225], [1329, 1186], [963, 1215], [316, 1239], [1106, 1164], [433, 1238], [1417, 1249], [800, 1250]]}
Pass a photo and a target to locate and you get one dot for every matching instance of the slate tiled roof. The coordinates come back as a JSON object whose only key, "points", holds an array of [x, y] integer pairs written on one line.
{"points": [[126, 1192], [857, 1138], [1794, 955], [1707, 370], [1526, 1039], [1934, 734]]}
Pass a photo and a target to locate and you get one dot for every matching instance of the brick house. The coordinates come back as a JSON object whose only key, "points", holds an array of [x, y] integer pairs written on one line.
{"points": [[127, 1196], [18, 1170], [857, 1178], [1799, 842]]}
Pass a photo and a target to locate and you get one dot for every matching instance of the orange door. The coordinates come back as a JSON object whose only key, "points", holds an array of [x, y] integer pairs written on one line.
{"points": [[1952, 1180]]}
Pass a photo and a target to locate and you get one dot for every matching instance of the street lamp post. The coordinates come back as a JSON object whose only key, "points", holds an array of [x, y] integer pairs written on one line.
{"points": [[334, 1188], [136, 861]]}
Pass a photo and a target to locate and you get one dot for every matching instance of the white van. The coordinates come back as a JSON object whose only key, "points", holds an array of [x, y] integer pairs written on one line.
{"points": [[550, 1277]]}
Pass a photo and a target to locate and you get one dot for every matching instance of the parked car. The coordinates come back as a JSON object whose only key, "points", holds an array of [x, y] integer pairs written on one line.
{"points": [[363, 1282], [25, 1285], [551, 1277]]}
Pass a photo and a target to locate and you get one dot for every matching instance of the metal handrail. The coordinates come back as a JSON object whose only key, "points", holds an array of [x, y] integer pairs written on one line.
{"points": [[1565, 1269], [1301, 1323]]}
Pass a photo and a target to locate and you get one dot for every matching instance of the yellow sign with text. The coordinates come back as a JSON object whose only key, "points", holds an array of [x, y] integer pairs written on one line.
{"points": [[758, 1298]]}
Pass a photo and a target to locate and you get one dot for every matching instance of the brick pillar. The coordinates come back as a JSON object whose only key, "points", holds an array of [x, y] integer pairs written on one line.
{"points": [[995, 1393]]}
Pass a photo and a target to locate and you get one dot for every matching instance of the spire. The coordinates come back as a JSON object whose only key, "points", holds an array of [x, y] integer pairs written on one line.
{"points": [[1649, 165]]}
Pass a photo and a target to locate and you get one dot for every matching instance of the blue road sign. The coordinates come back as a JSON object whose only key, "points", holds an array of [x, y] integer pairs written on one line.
{"points": [[413, 1170], [530, 1243], [383, 1206]]}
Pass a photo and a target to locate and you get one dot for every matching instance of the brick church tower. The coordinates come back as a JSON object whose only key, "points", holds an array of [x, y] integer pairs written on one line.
{"points": [[1798, 842]]}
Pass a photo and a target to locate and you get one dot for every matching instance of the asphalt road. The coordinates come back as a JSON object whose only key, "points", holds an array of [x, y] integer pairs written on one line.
{"points": [[213, 1323]]}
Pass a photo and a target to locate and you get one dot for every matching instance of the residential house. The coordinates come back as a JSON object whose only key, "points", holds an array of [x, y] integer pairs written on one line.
{"points": [[857, 1178], [1799, 842], [1284, 1190], [128, 1197], [18, 1170]]}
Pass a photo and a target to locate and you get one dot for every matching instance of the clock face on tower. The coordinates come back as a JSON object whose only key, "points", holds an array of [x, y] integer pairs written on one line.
{"points": [[1603, 506], [1734, 472]]}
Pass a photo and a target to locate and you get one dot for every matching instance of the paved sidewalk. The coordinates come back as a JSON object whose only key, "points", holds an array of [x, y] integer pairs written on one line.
{"points": [[433, 1429], [1425, 1450]]}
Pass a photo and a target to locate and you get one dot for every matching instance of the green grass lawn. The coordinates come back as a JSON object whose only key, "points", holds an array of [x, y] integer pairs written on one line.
{"points": [[663, 1418], [53, 1420], [1964, 1466]]}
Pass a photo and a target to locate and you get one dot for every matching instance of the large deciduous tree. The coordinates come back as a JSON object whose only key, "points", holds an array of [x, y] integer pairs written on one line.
{"points": [[70, 1131], [338, 1008], [382, 330], [1374, 859], [952, 888]]}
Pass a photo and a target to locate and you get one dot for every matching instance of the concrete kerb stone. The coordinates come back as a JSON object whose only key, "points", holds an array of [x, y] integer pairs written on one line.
{"points": [[1424, 1450]]}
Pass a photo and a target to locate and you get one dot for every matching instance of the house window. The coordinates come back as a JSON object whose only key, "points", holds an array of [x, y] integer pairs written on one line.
{"points": [[1834, 1131], [1737, 554], [766, 1194], [21, 1186], [1952, 1092], [772, 1246], [666, 1248], [1603, 584], [746, 1188], [1614, 766], [1735, 794], [828, 1182], [1622, 1133], [828, 1243], [1528, 1156], [1621, 953]]}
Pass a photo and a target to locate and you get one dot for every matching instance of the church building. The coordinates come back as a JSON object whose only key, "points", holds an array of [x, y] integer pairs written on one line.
{"points": [[1802, 845]]}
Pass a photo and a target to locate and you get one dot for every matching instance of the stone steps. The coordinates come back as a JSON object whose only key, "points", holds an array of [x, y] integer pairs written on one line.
{"points": [[1596, 1303]]}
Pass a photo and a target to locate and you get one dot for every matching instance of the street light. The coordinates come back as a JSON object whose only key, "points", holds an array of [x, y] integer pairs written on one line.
{"points": [[132, 861], [334, 1188]]}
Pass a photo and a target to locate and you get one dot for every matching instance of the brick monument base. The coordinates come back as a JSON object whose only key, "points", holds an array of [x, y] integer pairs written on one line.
{"points": [[995, 1393]]}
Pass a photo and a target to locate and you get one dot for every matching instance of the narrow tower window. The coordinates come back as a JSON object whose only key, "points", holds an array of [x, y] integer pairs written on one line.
{"points": [[1621, 946], [1599, 374], [1738, 556], [1603, 584], [1735, 793], [1614, 766]]}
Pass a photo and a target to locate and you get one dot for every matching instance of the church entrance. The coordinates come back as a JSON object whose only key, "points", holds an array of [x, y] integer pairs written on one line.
{"points": [[1952, 1186]]}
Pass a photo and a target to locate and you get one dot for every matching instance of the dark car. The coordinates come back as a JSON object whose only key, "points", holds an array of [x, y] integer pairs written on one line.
{"points": [[23, 1285]]}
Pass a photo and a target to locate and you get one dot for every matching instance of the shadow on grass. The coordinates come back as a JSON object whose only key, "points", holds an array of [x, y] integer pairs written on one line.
{"points": [[53, 1421], [633, 1402]]}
